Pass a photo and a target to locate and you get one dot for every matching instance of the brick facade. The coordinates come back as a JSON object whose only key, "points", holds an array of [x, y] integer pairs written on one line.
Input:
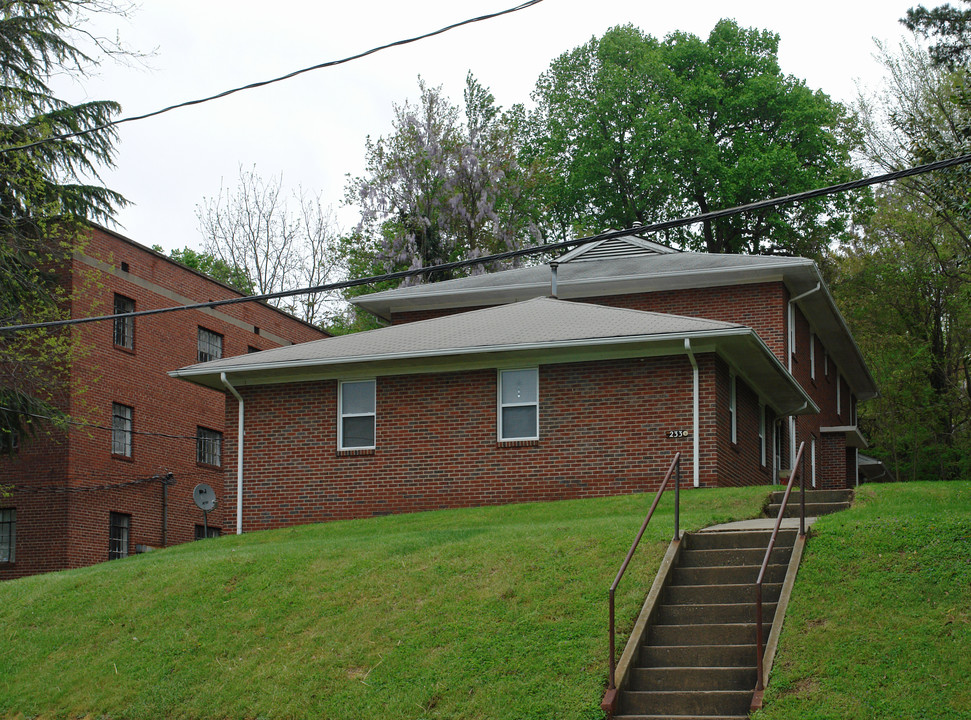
{"points": [[603, 429], [56, 530]]}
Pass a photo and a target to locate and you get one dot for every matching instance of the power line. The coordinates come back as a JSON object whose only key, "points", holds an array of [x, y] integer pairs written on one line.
{"points": [[262, 83], [166, 479], [533, 250], [82, 423]]}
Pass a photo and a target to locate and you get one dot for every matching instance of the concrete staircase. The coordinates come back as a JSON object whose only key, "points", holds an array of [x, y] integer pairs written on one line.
{"points": [[698, 661], [818, 502]]}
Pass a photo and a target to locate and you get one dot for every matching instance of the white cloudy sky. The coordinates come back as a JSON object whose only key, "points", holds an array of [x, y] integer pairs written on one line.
{"points": [[312, 128]]}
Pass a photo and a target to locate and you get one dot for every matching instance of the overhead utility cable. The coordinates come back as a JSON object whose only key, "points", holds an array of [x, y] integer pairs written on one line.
{"points": [[166, 479], [81, 423], [262, 83], [533, 250]]}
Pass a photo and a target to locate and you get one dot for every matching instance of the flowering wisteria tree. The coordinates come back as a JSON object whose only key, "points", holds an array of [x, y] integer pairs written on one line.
{"points": [[442, 187]]}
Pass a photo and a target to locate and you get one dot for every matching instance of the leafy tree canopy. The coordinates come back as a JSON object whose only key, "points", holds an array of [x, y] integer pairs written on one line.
{"points": [[214, 267], [638, 130], [950, 26]]}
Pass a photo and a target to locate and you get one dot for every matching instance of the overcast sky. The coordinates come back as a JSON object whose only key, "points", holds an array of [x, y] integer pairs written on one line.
{"points": [[312, 128]]}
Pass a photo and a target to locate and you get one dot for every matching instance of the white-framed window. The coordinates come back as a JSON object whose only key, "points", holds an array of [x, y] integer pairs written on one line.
{"points": [[121, 430], [124, 327], [8, 535], [356, 410], [119, 534], [812, 457], [839, 397], [209, 447], [762, 427], [733, 406], [519, 404], [812, 356], [210, 345]]}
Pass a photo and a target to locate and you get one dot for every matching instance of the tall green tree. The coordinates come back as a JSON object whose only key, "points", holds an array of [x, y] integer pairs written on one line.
{"points": [[639, 130], [45, 194], [949, 26]]}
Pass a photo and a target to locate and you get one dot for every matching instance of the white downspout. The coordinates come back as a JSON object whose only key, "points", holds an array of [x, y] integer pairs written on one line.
{"points": [[695, 440], [239, 455]]}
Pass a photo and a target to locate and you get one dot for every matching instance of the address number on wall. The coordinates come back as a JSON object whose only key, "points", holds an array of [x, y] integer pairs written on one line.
{"points": [[678, 433]]}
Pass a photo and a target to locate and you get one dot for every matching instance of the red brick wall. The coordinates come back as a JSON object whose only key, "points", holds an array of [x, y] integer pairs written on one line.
{"points": [[77, 534], [602, 432]]}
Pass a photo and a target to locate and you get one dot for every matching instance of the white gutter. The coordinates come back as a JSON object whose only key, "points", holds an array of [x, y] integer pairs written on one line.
{"points": [[695, 440], [239, 455]]}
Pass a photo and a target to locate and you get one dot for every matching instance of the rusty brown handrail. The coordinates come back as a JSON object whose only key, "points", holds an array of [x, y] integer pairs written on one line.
{"points": [[799, 469], [676, 469]]}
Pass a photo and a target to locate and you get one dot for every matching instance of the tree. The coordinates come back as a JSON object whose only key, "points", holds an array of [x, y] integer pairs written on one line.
{"points": [[212, 266], [44, 197], [255, 230], [639, 130], [952, 27], [441, 188]]}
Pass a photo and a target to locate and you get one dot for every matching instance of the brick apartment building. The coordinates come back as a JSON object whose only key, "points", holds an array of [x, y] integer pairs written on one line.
{"points": [[512, 386], [101, 489]]}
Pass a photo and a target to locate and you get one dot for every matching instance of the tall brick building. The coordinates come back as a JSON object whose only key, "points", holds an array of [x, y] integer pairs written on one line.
{"points": [[542, 383], [119, 480]]}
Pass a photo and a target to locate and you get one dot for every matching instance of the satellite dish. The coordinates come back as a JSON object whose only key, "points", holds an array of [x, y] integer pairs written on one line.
{"points": [[204, 496]]}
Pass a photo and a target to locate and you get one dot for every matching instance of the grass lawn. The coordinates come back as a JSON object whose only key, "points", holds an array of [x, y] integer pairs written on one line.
{"points": [[482, 613], [880, 620]]}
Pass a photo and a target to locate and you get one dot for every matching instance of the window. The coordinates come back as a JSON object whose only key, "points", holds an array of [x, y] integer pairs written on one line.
{"points": [[8, 535], [9, 441], [357, 415], [124, 334], [210, 345], [825, 362], [119, 533], [732, 408], [792, 329], [250, 349], [209, 447], [121, 430], [519, 404], [812, 356], [762, 425], [201, 531]]}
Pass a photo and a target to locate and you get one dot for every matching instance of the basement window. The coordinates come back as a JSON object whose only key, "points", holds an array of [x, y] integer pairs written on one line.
{"points": [[119, 534], [356, 411], [519, 404], [8, 535]]}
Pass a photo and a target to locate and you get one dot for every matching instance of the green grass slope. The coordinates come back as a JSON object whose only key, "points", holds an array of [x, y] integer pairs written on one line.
{"points": [[482, 613], [879, 625]]}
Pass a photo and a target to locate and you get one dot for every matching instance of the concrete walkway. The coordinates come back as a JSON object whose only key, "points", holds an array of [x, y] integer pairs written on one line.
{"points": [[760, 524]]}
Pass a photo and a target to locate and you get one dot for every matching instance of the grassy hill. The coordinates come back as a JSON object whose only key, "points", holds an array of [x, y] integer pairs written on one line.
{"points": [[481, 613]]}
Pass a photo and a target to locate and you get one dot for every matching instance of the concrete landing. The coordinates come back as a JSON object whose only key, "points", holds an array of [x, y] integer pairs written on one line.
{"points": [[760, 524]]}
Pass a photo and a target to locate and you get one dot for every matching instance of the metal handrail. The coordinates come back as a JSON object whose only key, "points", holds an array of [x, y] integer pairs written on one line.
{"points": [[799, 469], [676, 469]]}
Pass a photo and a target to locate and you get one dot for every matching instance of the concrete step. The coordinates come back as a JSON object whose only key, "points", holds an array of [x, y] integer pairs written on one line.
{"points": [[814, 509], [712, 614], [686, 702], [814, 496], [717, 540], [694, 678], [737, 575], [719, 594], [707, 634], [697, 656], [733, 556]]}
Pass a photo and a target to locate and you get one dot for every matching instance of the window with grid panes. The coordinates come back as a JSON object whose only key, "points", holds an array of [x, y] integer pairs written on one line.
{"points": [[210, 345], [124, 328], [119, 534], [209, 446], [121, 430], [8, 535]]}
